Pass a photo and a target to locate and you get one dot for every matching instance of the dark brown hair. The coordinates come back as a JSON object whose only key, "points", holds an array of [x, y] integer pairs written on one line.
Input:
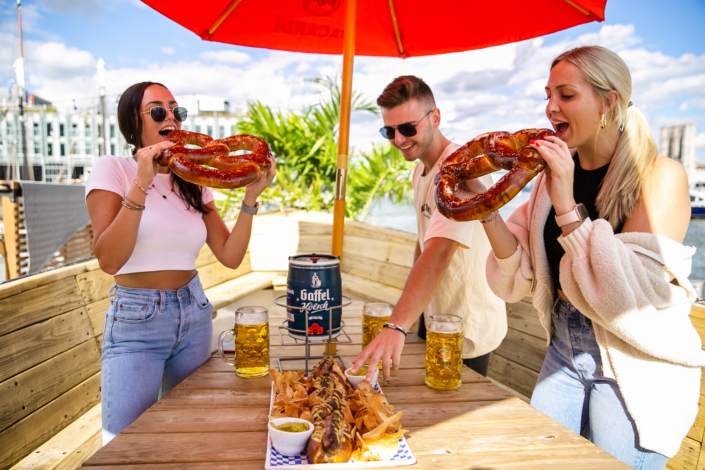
{"points": [[130, 122], [403, 89]]}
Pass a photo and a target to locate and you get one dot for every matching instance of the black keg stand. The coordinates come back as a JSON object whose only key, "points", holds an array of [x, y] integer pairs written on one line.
{"points": [[308, 341]]}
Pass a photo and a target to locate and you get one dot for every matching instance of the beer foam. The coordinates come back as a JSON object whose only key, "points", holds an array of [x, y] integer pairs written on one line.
{"points": [[444, 327], [378, 309], [251, 316]]}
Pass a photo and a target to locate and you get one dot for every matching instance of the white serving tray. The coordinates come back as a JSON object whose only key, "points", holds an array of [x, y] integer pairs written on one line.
{"points": [[276, 461]]}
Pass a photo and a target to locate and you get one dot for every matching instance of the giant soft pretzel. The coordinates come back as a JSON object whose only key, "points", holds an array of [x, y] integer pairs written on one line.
{"points": [[481, 156], [227, 171]]}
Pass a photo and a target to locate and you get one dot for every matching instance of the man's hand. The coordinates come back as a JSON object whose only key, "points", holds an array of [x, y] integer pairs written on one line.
{"points": [[387, 345]]}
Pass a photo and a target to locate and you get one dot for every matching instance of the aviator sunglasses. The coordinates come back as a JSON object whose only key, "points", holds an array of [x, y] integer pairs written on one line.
{"points": [[158, 113], [407, 129]]}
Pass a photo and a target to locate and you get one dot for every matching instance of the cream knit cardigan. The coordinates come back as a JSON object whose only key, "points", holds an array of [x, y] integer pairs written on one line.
{"points": [[638, 306]]}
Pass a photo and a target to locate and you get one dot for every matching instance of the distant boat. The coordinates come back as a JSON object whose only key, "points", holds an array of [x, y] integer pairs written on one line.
{"points": [[697, 204]]}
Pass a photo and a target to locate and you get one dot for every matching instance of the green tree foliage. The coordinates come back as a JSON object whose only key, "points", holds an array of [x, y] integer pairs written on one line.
{"points": [[305, 146]]}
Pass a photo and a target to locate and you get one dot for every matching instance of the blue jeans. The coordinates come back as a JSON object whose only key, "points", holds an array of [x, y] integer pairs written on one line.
{"points": [[572, 390], [153, 339]]}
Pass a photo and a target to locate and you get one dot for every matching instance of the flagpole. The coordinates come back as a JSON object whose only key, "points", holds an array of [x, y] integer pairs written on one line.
{"points": [[341, 173]]}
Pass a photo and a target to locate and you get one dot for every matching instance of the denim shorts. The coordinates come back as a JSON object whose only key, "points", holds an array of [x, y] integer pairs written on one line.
{"points": [[153, 339], [572, 389]]}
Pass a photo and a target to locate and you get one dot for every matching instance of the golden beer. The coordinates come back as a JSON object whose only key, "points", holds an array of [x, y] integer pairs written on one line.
{"points": [[444, 352], [251, 336], [252, 350], [374, 316]]}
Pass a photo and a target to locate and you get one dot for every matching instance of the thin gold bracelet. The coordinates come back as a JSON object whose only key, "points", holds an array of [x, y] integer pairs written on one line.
{"points": [[138, 185], [141, 206], [134, 208]]}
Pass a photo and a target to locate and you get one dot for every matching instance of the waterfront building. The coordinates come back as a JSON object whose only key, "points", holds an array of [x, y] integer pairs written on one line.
{"points": [[678, 143], [63, 146]]}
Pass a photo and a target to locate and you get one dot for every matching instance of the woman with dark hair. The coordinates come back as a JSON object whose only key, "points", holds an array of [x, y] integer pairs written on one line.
{"points": [[148, 227], [599, 245]]}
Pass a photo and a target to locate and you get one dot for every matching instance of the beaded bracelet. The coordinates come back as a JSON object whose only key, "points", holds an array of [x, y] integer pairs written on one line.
{"points": [[489, 218], [141, 188]]}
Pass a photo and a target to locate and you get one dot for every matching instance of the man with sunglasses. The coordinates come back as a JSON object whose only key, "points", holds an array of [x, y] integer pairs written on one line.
{"points": [[448, 275]]}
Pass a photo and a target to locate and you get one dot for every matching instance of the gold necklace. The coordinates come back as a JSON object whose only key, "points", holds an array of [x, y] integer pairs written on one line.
{"points": [[160, 193]]}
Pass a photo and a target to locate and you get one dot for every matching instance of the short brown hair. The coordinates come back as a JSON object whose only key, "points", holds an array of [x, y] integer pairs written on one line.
{"points": [[403, 89]]}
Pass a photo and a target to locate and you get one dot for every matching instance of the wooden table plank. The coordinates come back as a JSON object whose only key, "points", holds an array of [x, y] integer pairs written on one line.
{"points": [[574, 458], [215, 364], [212, 419], [136, 448], [228, 379]]}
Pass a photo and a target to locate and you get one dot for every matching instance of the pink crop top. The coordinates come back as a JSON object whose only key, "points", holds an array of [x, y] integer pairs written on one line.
{"points": [[170, 234]]}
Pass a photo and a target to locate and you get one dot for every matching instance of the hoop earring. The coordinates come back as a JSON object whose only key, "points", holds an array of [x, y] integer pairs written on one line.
{"points": [[602, 121]]}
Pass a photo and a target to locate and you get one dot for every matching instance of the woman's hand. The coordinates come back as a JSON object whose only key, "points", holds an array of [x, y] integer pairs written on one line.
{"points": [[253, 191], [147, 167], [559, 172]]}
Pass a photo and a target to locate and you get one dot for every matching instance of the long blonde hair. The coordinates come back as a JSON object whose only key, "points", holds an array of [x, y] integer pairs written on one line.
{"points": [[636, 150]]}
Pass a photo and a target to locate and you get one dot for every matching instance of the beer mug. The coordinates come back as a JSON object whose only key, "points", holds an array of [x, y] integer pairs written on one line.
{"points": [[374, 316], [251, 335], [444, 352]]}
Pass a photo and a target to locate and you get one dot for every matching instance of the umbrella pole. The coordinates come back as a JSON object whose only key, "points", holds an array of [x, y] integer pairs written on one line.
{"points": [[341, 173]]}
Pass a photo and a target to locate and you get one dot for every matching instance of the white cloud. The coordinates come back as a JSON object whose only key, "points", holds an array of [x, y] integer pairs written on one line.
{"points": [[226, 57], [700, 140], [500, 88]]}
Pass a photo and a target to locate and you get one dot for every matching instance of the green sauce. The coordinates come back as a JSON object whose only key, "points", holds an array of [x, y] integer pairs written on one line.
{"points": [[290, 427]]}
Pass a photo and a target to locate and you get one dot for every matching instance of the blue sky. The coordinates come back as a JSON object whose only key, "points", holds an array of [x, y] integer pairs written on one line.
{"points": [[496, 89]]}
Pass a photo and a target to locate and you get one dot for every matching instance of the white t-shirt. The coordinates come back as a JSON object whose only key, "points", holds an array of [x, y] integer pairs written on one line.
{"points": [[170, 234], [463, 291]]}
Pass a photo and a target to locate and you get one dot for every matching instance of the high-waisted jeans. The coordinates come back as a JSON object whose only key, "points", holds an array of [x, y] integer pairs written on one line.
{"points": [[153, 339], [572, 390]]}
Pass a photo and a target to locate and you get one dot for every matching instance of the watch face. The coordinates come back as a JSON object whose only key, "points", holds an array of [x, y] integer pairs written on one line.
{"points": [[582, 211]]}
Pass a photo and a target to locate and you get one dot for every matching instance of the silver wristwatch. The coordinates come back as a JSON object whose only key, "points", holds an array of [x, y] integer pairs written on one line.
{"points": [[249, 209]]}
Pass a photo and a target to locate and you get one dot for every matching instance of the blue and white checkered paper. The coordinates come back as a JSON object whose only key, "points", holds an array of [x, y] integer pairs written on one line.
{"points": [[404, 456]]}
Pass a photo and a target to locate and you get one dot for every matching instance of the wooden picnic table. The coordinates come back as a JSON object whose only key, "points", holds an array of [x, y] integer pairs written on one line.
{"points": [[217, 420]]}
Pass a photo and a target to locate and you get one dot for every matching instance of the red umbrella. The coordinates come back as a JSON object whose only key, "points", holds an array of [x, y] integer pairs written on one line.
{"points": [[391, 28]]}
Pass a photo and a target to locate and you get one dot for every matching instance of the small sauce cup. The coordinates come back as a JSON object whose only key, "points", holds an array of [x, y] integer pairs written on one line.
{"points": [[289, 443], [356, 379]]}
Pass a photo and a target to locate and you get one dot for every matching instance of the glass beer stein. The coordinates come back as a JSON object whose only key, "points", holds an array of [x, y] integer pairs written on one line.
{"points": [[251, 335], [444, 352], [374, 316]]}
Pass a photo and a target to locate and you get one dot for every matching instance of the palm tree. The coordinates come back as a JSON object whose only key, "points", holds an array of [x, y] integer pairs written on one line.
{"points": [[305, 146]]}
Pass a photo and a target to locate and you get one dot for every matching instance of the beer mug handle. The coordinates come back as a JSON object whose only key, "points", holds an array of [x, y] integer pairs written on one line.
{"points": [[220, 346]]}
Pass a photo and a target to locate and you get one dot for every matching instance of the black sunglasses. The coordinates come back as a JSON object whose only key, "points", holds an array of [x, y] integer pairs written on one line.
{"points": [[407, 129], [158, 113]]}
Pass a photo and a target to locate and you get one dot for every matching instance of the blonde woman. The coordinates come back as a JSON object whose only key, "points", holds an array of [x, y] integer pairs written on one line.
{"points": [[599, 246]]}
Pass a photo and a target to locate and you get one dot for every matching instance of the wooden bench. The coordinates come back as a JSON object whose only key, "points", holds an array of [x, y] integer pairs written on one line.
{"points": [[51, 327]]}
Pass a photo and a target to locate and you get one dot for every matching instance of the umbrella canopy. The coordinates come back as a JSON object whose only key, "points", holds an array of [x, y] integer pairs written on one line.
{"points": [[391, 28]]}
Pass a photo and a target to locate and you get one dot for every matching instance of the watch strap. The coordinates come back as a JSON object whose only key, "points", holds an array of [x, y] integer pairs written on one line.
{"points": [[578, 214], [249, 209]]}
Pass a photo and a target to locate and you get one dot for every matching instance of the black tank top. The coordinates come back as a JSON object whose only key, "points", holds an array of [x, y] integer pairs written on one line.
{"points": [[586, 186]]}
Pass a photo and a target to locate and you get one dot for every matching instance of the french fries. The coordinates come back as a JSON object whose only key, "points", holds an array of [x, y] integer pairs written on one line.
{"points": [[374, 426]]}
